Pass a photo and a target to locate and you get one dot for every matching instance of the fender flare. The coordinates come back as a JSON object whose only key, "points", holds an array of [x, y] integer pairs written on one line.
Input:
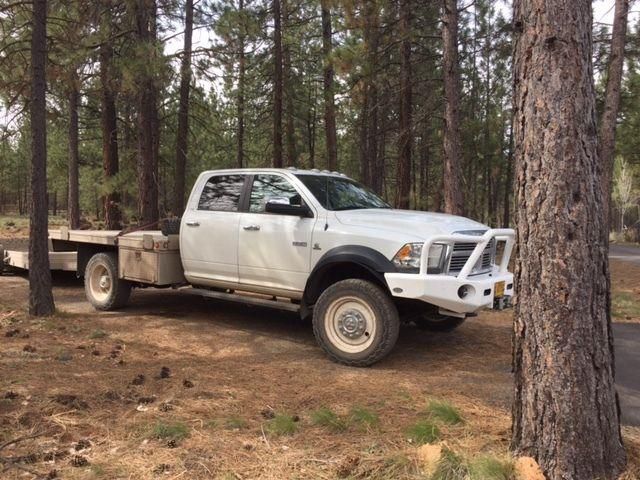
{"points": [[371, 260]]}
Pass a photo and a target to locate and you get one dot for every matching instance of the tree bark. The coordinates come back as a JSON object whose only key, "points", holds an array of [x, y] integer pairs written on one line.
{"points": [[277, 85], [453, 191], [241, 87], [148, 124], [40, 295], [182, 140], [565, 412], [403, 171], [290, 137], [370, 108], [73, 199], [508, 182], [328, 86], [311, 125], [607, 133], [110, 160]]}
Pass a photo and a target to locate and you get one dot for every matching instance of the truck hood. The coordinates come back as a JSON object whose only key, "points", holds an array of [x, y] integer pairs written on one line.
{"points": [[415, 223]]}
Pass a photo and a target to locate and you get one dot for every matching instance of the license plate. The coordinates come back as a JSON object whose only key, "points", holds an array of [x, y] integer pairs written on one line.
{"points": [[498, 291]]}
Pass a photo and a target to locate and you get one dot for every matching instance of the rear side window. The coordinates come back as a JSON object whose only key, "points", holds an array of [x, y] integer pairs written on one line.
{"points": [[222, 193]]}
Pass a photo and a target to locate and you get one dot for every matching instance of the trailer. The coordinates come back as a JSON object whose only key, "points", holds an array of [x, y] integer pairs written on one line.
{"points": [[138, 259], [143, 256]]}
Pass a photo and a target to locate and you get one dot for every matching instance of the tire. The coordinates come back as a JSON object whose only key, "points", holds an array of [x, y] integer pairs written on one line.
{"points": [[373, 319], [104, 290], [170, 226], [435, 322]]}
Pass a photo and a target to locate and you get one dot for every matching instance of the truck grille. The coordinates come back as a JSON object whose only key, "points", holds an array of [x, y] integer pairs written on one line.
{"points": [[462, 251]]}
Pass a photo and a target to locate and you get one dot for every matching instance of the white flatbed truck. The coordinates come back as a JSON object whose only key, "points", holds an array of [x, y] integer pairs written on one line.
{"points": [[312, 242]]}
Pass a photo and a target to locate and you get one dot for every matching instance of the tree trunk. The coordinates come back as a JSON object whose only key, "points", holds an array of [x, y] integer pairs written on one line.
{"points": [[565, 412], [453, 191], [73, 199], [607, 133], [241, 88], [328, 86], [182, 140], [290, 137], [370, 108], [277, 85], [40, 295], [403, 171], [110, 161], [508, 182], [311, 125], [424, 170], [148, 134]]}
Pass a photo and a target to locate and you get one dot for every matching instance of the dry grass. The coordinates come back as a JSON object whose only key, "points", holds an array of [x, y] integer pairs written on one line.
{"points": [[243, 363], [625, 292]]}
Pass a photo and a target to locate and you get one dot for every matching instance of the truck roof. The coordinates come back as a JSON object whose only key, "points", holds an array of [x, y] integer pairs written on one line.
{"points": [[294, 170]]}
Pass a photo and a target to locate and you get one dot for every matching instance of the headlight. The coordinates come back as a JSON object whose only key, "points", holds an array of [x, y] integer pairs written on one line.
{"points": [[436, 258], [408, 257]]}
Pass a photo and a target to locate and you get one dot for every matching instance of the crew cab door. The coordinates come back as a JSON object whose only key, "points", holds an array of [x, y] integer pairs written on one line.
{"points": [[274, 249], [209, 232]]}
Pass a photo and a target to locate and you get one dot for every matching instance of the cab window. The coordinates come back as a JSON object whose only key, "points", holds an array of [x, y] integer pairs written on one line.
{"points": [[222, 193], [272, 188]]}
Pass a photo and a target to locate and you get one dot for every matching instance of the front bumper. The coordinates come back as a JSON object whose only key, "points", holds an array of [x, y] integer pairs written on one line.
{"points": [[443, 290]]}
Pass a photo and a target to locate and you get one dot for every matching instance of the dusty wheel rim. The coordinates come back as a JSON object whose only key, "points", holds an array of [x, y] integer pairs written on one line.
{"points": [[350, 324], [100, 283]]}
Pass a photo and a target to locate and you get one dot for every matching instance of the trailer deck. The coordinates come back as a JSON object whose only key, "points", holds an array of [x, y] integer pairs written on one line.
{"points": [[144, 256]]}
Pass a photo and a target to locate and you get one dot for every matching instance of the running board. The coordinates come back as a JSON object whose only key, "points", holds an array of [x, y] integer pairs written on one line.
{"points": [[246, 299]]}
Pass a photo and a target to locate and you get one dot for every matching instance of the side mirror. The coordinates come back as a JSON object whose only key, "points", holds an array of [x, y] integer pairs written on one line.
{"points": [[286, 209]]}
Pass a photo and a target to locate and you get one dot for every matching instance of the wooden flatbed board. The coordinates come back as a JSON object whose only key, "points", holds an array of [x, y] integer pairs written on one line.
{"points": [[98, 237], [134, 239], [66, 261]]}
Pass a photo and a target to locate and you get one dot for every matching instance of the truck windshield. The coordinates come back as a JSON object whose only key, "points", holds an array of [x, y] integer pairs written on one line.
{"points": [[335, 193]]}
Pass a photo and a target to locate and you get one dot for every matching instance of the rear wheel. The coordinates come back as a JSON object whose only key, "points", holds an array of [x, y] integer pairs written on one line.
{"points": [[356, 322], [102, 286], [436, 322]]}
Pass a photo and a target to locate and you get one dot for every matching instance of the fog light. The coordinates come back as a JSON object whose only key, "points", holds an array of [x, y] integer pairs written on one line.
{"points": [[466, 290]]}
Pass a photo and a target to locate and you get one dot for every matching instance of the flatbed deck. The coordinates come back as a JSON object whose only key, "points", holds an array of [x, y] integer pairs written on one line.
{"points": [[64, 245]]}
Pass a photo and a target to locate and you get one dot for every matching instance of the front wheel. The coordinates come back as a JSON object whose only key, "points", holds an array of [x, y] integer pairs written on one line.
{"points": [[356, 322], [102, 286]]}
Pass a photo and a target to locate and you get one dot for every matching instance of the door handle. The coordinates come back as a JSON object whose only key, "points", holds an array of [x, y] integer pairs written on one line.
{"points": [[192, 224], [252, 228]]}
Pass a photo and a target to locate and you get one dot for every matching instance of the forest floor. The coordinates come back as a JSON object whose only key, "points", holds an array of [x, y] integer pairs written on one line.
{"points": [[182, 387]]}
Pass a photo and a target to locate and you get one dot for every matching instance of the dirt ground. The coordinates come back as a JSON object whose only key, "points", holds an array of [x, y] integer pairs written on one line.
{"points": [[177, 386]]}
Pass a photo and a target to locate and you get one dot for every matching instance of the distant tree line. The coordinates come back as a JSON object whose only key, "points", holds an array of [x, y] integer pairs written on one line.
{"points": [[412, 98]]}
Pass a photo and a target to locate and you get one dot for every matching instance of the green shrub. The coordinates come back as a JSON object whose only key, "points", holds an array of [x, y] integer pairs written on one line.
{"points": [[235, 423], [325, 417], [364, 417], [98, 333], [424, 431], [444, 412], [282, 424], [450, 467], [170, 431], [488, 467]]}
